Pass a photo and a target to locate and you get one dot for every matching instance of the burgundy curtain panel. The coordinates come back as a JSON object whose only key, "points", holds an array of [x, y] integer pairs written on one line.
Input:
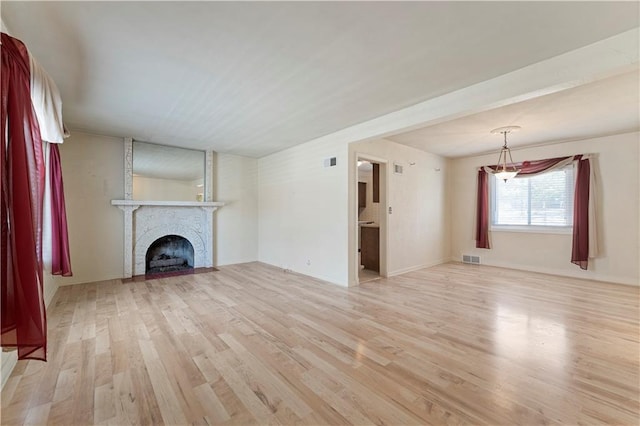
{"points": [[60, 256], [580, 251], [482, 211], [533, 167], [23, 319]]}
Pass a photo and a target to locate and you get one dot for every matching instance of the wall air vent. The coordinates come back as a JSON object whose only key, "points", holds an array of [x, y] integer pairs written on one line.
{"points": [[467, 258], [330, 162]]}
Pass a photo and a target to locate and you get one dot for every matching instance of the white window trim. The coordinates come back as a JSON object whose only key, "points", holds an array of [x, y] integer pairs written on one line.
{"points": [[533, 229]]}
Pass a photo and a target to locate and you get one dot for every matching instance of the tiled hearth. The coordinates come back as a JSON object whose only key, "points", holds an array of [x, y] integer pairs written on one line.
{"points": [[146, 221]]}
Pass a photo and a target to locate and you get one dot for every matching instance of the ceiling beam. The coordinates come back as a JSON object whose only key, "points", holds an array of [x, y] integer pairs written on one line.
{"points": [[605, 58]]}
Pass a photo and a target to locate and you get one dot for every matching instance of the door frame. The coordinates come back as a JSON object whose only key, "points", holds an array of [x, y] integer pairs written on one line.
{"points": [[384, 215]]}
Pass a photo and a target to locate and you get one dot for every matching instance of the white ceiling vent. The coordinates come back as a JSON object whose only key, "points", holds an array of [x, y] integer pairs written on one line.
{"points": [[467, 258]]}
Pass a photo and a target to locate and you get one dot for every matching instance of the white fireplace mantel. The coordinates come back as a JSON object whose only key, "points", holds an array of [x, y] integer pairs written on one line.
{"points": [[146, 221], [138, 203]]}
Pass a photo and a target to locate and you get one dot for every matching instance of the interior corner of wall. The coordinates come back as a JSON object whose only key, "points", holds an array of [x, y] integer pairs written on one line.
{"points": [[50, 288]]}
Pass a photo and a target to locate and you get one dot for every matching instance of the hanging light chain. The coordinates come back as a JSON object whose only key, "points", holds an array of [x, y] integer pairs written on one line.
{"points": [[502, 170]]}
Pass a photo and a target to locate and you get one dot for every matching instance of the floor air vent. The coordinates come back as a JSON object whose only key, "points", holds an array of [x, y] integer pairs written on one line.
{"points": [[467, 258]]}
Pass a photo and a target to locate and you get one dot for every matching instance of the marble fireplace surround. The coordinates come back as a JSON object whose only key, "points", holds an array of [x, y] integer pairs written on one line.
{"points": [[146, 221]]}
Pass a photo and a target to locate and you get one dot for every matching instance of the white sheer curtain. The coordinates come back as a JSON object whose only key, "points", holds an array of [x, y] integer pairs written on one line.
{"points": [[47, 104]]}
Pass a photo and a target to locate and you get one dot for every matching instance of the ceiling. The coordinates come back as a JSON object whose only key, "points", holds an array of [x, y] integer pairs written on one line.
{"points": [[604, 107], [252, 78], [365, 166]]}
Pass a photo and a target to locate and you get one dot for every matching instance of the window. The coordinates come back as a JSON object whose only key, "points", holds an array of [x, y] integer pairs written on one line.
{"points": [[544, 201]]}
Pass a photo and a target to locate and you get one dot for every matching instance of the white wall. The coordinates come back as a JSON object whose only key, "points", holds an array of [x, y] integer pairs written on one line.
{"points": [[303, 211], [93, 173], [618, 208], [235, 182], [418, 227], [145, 188]]}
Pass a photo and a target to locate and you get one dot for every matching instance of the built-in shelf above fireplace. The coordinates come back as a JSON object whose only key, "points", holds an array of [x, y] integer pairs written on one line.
{"points": [[147, 221]]}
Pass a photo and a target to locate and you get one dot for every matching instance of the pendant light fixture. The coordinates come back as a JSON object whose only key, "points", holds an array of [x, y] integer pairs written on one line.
{"points": [[504, 170]]}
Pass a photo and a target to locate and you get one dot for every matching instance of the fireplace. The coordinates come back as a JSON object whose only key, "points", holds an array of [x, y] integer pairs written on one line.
{"points": [[146, 222], [171, 253]]}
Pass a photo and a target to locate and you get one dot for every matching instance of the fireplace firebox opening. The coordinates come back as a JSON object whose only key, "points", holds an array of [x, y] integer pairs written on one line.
{"points": [[171, 253]]}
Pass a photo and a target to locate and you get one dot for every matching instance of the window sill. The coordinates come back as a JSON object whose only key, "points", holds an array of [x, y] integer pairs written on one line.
{"points": [[562, 230]]}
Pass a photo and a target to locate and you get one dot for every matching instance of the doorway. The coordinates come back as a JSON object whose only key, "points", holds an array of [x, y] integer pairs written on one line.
{"points": [[371, 218]]}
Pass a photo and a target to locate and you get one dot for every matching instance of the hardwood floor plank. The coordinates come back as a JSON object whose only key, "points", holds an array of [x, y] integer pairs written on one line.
{"points": [[83, 408], [126, 409], [367, 400], [270, 381], [215, 411], [251, 396], [61, 413], [167, 401], [344, 339], [251, 344], [65, 384], [104, 403], [38, 415], [337, 402]]}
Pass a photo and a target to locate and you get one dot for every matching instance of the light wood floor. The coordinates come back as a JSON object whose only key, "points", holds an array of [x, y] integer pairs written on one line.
{"points": [[365, 275], [251, 344]]}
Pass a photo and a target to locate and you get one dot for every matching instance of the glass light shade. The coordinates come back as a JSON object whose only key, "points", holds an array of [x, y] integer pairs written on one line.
{"points": [[503, 171], [506, 175]]}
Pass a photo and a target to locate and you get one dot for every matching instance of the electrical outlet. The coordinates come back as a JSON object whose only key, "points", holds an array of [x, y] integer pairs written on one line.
{"points": [[308, 262]]}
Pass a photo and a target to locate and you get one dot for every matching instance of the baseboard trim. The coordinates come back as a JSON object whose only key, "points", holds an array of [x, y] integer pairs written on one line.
{"points": [[318, 277], [563, 273], [417, 267], [294, 271]]}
